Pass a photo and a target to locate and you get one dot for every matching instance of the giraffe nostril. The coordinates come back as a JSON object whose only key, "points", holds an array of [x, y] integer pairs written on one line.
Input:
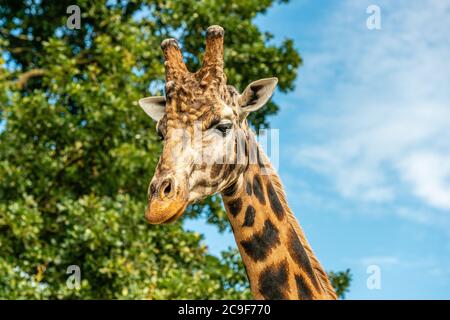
{"points": [[166, 188]]}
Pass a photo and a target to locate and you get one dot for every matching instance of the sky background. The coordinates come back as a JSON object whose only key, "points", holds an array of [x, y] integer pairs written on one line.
{"points": [[365, 142]]}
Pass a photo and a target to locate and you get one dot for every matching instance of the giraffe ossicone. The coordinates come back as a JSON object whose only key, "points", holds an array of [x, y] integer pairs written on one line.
{"points": [[209, 148]]}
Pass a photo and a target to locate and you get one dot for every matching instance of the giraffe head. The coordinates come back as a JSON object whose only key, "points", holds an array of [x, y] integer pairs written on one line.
{"points": [[202, 121]]}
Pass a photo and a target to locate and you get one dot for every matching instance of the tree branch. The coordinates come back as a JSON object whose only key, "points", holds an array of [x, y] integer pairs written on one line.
{"points": [[24, 77]]}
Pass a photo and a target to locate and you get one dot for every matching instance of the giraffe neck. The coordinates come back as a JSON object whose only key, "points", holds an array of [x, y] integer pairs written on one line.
{"points": [[279, 261]]}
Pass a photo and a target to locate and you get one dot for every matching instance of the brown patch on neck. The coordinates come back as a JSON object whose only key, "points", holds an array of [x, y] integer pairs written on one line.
{"points": [[279, 262]]}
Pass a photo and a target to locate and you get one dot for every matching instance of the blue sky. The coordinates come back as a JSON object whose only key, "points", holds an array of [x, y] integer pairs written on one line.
{"points": [[365, 142]]}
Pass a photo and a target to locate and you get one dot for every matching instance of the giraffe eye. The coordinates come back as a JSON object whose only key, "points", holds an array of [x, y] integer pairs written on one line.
{"points": [[223, 128]]}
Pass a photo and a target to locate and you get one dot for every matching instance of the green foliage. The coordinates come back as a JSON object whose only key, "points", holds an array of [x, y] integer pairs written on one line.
{"points": [[77, 153], [341, 282]]}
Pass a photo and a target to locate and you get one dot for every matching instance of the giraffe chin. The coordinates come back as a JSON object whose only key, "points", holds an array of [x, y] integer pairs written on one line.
{"points": [[157, 214]]}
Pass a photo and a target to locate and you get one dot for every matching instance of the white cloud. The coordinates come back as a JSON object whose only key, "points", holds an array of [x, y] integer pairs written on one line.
{"points": [[431, 266], [385, 261], [429, 175], [383, 129], [424, 216]]}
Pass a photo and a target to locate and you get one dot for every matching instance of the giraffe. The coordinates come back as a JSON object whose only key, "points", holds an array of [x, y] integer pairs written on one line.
{"points": [[209, 148]]}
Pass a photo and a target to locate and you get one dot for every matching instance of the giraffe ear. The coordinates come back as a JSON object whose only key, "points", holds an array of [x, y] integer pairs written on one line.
{"points": [[257, 94], [154, 106]]}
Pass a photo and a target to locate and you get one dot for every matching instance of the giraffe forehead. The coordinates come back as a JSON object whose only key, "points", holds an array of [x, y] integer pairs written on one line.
{"points": [[197, 106], [196, 93], [189, 112]]}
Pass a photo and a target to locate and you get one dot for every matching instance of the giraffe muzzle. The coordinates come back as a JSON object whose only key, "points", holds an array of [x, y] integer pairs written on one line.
{"points": [[167, 201]]}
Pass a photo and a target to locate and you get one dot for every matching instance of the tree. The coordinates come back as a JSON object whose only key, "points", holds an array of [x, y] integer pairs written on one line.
{"points": [[341, 282], [77, 153]]}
